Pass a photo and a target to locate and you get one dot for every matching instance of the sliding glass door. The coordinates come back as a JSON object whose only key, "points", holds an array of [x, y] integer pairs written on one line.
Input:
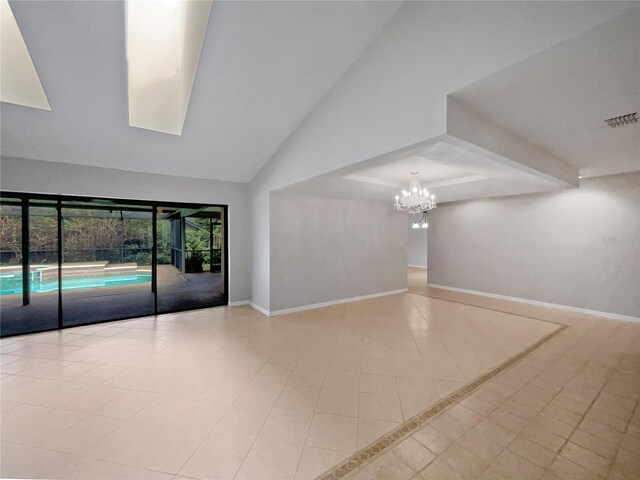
{"points": [[106, 268], [189, 257], [67, 261]]}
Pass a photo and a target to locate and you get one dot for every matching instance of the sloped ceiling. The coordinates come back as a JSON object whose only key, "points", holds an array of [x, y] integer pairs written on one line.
{"points": [[560, 98], [263, 67], [537, 126]]}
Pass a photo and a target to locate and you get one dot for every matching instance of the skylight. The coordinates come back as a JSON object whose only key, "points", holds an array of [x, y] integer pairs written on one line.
{"points": [[164, 40], [19, 79]]}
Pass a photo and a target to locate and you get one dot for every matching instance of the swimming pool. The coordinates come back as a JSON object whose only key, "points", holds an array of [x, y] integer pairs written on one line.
{"points": [[12, 284]]}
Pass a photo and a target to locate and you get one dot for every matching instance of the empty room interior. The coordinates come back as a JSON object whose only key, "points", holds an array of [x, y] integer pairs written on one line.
{"points": [[372, 240]]}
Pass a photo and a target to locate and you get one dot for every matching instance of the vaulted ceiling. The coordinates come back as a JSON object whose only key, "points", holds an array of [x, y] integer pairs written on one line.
{"points": [[263, 67], [548, 107]]}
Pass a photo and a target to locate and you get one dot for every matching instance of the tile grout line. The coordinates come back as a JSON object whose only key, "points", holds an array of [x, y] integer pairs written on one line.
{"points": [[566, 440], [313, 414], [576, 428], [457, 365], [200, 444], [410, 426], [395, 376]]}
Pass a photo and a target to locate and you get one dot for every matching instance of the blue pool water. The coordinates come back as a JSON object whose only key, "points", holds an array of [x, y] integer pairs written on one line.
{"points": [[11, 285]]}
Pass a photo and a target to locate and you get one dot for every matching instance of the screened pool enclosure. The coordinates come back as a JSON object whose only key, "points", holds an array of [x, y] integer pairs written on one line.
{"points": [[67, 261]]}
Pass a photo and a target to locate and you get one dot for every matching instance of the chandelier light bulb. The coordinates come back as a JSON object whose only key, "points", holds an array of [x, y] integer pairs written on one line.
{"points": [[415, 225], [425, 225]]}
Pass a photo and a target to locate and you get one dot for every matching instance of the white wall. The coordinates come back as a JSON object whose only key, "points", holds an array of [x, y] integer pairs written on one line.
{"points": [[328, 249], [578, 247], [394, 95], [416, 244], [36, 176]]}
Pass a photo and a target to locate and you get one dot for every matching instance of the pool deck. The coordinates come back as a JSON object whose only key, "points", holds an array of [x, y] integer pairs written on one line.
{"points": [[176, 291]]}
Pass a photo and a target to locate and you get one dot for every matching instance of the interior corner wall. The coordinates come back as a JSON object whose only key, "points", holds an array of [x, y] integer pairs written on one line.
{"points": [[34, 176], [416, 244], [578, 247], [370, 112], [261, 253], [326, 249]]}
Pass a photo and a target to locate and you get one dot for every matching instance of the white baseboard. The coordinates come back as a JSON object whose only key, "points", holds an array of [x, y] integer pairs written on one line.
{"points": [[263, 311], [239, 303], [336, 302], [325, 304], [614, 316], [253, 305], [417, 266]]}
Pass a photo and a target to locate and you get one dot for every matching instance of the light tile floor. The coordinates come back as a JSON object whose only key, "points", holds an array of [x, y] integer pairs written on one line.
{"points": [[569, 410], [228, 393]]}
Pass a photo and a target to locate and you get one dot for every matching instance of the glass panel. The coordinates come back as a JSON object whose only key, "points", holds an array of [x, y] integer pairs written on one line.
{"points": [[43, 266], [11, 252], [10, 268], [41, 310], [106, 270], [189, 258]]}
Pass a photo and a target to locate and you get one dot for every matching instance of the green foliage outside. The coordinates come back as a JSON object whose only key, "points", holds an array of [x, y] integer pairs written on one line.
{"points": [[197, 245], [90, 235]]}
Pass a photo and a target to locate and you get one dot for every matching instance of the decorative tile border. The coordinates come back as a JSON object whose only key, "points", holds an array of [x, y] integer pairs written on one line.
{"points": [[434, 294], [367, 453]]}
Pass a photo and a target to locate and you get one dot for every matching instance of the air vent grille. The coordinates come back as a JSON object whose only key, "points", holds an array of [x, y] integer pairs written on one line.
{"points": [[622, 120]]}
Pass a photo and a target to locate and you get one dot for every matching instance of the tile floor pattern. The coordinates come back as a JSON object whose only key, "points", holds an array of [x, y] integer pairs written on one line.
{"points": [[228, 393], [568, 410]]}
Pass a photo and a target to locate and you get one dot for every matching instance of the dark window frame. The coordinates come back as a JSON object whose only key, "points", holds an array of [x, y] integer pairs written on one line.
{"points": [[25, 199]]}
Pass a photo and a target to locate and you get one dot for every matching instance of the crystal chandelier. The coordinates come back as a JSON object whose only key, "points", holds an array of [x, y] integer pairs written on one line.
{"points": [[416, 200]]}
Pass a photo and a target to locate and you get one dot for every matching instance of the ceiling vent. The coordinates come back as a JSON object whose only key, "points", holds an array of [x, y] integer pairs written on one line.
{"points": [[622, 120]]}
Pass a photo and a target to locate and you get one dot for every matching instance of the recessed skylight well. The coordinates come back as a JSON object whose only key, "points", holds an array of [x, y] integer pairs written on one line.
{"points": [[164, 40], [19, 80]]}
